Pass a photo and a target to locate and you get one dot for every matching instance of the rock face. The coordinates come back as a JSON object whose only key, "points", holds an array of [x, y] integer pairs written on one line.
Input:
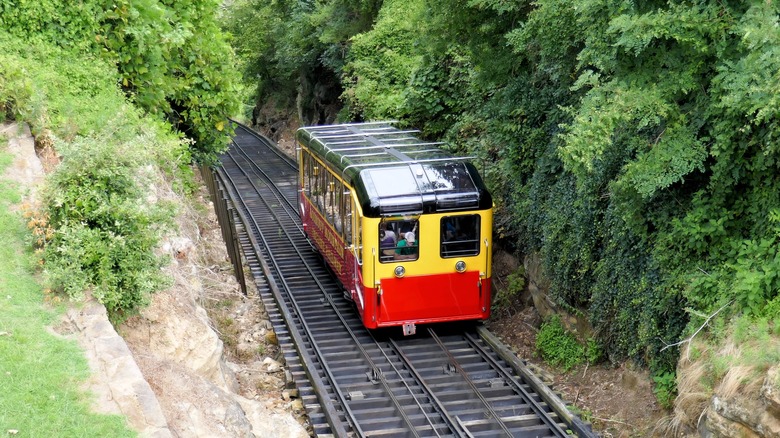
{"points": [[747, 415], [181, 357], [742, 403], [739, 417], [174, 327], [538, 287], [116, 379], [26, 169]]}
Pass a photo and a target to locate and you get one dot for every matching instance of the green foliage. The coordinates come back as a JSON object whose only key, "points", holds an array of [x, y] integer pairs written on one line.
{"points": [[61, 105], [557, 346], [174, 60], [508, 295], [105, 232], [44, 374], [298, 50], [632, 145], [676, 154], [98, 228], [381, 61], [63, 22], [772, 311], [15, 88], [593, 351], [171, 57], [665, 389], [748, 346]]}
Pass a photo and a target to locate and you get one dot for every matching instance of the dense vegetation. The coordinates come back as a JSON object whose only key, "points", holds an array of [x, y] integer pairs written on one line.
{"points": [[42, 374], [126, 93], [170, 56], [633, 146]]}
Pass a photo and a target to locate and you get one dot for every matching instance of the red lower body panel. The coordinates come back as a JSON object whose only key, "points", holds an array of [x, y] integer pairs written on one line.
{"points": [[427, 299]]}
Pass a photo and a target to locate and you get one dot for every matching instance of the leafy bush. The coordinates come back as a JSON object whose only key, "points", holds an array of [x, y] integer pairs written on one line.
{"points": [[593, 351], [171, 57], [665, 388], [506, 297], [15, 88], [381, 61], [632, 145], [557, 346], [106, 232]]}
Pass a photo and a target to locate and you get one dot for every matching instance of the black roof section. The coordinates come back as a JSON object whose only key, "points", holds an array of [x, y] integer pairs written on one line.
{"points": [[394, 172]]}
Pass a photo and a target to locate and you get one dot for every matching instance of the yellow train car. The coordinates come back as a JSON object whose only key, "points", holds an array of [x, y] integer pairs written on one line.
{"points": [[406, 226]]}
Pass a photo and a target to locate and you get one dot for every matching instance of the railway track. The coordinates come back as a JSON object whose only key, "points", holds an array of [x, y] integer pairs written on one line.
{"points": [[447, 381]]}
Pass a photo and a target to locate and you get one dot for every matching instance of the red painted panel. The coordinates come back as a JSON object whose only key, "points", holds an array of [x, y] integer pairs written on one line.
{"points": [[444, 297], [329, 243]]}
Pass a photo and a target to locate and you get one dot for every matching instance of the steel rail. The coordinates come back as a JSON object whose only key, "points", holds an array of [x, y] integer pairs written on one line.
{"points": [[290, 208], [291, 298], [367, 357], [322, 362], [332, 417], [517, 386], [365, 354], [263, 139], [456, 426], [470, 382]]}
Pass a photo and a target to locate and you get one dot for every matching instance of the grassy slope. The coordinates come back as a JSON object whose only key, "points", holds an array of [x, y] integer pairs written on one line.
{"points": [[40, 374]]}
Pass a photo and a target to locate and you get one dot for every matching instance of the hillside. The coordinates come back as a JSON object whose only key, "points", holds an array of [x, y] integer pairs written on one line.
{"points": [[631, 148]]}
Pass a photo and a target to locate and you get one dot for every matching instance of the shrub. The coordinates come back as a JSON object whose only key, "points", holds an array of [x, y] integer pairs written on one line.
{"points": [[665, 389], [106, 231], [557, 346], [506, 297], [593, 351], [15, 87]]}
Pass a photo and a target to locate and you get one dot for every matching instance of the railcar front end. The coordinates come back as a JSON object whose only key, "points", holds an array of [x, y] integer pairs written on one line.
{"points": [[447, 276]]}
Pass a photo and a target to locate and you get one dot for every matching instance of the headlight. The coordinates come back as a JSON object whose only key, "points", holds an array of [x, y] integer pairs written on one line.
{"points": [[460, 266], [399, 271]]}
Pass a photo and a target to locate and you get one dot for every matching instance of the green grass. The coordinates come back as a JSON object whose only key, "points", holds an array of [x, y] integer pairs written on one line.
{"points": [[41, 375]]}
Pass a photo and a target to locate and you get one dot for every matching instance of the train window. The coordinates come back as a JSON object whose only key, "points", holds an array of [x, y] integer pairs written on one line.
{"points": [[307, 173], [346, 214], [330, 201], [398, 240], [460, 235], [454, 187], [358, 225], [316, 186]]}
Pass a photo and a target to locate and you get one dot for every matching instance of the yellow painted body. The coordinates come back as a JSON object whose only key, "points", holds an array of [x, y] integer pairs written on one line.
{"points": [[429, 243]]}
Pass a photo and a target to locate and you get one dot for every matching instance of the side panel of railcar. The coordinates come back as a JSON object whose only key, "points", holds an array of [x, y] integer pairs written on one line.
{"points": [[328, 217]]}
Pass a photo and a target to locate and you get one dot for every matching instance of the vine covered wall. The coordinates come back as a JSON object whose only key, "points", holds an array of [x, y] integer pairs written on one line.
{"points": [[633, 146]]}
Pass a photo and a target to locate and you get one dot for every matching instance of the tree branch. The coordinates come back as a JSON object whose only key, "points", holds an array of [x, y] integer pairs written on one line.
{"points": [[689, 339]]}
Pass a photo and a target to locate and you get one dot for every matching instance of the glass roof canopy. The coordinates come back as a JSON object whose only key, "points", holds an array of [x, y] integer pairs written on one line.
{"points": [[393, 171]]}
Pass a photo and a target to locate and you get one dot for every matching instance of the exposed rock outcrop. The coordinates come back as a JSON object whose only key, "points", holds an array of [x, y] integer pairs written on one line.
{"points": [[538, 287], [175, 328], [26, 169], [749, 414], [743, 403], [181, 355], [116, 380]]}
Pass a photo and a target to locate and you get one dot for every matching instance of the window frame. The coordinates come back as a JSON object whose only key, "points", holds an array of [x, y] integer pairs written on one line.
{"points": [[472, 247]]}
